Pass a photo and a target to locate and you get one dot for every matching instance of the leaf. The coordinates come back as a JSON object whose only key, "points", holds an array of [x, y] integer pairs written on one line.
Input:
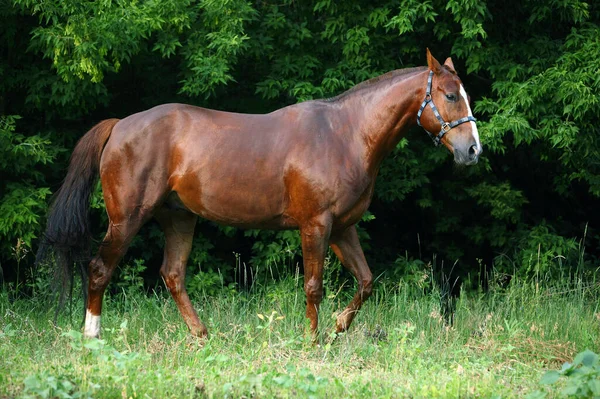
{"points": [[550, 377], [94, 344], [74, 335], [566, 367], [570, 389], [31, 382], [536, 395], [283, 380], [586, 358], [594, 385]]}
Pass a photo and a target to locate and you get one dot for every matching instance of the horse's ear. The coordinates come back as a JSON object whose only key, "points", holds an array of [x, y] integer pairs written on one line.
{"points": [[449, 64], [433, 64]]}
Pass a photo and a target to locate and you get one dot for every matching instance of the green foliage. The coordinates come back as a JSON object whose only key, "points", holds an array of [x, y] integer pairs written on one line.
{"points": [[530, 67], [41, 281], [22, 200], [542, 248], [211, 50], [205, 271], [86, 39], [412, 272], [204, 283], [539, 251], [274, 250], [130, 277], [403, 173], [22, 207], [47, 386], [553, 105], [294, 379], [582, 376], [105, 362], [258, 348], [504, 202]]}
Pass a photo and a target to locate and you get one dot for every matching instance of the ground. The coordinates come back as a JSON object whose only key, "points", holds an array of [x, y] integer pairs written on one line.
{"points": [[500, 345]]}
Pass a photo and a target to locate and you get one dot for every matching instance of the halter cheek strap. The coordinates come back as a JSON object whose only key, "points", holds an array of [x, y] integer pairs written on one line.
{"points": [[445, 126]]}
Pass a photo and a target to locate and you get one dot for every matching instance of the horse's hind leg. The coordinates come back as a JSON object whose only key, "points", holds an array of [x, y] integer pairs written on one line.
{"points": [[178, 226], [101, 268], [347, 248]]}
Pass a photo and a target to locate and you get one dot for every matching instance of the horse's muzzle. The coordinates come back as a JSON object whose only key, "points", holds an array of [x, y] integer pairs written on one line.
{"points": [[469, 156]]}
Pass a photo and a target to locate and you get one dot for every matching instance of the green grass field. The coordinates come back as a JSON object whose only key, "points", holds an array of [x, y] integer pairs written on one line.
{"points": [[500, 345]]}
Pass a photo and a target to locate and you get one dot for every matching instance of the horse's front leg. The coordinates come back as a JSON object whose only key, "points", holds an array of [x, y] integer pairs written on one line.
{"points": [[315, 235], [348, 250]]}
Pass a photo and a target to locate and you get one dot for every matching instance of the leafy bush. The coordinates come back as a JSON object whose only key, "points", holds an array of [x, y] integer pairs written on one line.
{"points": [[23, 202], [530, 67], [582, 378], [540, 251]]}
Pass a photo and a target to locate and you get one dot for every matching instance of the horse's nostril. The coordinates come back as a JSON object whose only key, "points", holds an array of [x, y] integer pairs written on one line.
{"points": [[473, 151]]}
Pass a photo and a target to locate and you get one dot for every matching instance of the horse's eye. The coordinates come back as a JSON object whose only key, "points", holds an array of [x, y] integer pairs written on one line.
{"points": [[451, 97]]}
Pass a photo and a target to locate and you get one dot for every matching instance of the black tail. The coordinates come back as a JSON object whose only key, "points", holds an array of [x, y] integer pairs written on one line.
{"points": [[68, 234]]}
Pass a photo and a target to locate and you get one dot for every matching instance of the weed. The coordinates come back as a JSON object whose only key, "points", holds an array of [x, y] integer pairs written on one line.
{"points": [[582, 378]]}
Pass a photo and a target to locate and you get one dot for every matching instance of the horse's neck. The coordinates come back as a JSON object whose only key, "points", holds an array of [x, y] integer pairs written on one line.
{"points": [[387, 111]]}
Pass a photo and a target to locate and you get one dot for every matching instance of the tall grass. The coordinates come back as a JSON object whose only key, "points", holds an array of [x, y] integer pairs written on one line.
{"points": [[499, 345]]}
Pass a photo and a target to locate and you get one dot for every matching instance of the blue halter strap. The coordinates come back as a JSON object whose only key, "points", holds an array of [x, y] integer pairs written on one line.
{"points": [[445, 126]]}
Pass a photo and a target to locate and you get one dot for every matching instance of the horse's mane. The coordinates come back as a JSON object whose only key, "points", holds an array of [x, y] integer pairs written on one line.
{"points": [[376, 79]]}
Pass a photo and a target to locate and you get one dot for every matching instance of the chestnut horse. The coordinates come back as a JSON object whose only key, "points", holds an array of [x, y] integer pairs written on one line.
{"points": [[309, 166]]}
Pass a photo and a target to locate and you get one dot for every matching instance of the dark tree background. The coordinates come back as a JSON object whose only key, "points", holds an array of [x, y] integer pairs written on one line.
{"points": [[532, 68]]}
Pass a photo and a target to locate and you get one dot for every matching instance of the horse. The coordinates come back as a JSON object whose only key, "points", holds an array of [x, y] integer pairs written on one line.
{"points": [[310, 166]]}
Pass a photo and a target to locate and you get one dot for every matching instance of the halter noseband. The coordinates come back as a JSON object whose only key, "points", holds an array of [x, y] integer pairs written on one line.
{"points": [[446, 126]]}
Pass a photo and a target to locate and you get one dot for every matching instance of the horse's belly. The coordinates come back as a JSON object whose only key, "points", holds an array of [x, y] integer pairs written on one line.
{"points": [[233, 201]]}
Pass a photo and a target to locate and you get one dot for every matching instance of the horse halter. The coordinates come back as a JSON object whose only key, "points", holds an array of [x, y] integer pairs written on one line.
{"points": [[446, 126]]}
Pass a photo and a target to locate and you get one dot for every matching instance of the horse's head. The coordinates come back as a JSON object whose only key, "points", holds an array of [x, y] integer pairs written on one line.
{"points": [[446, 115]]}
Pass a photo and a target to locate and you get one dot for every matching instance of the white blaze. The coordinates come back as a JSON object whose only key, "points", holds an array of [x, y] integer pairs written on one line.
{"points": [[463, 93], [92, 325]]}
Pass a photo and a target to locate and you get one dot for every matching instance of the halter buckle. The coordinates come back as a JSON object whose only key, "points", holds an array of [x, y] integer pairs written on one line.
{"points": [[446, 127]]}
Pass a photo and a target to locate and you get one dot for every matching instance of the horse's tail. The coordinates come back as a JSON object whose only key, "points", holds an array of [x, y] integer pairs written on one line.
{"points": [[68, 233]]}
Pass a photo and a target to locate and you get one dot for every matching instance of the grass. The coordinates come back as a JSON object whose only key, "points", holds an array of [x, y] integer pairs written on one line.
{"points": [[500, 345]]}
